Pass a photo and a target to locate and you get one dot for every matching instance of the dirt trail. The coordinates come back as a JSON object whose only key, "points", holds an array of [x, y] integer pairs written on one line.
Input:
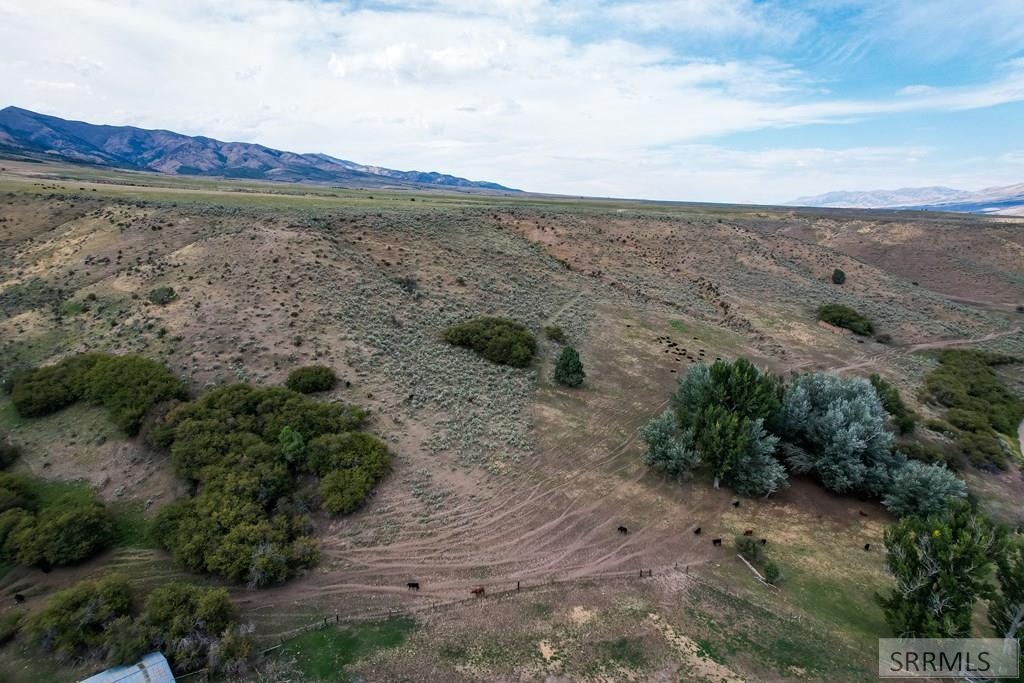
{"points": [[961, 342]]}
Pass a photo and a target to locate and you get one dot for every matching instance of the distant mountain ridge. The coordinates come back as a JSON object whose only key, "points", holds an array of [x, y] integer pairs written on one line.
{"points": [[1008, 200], [165, 151]]}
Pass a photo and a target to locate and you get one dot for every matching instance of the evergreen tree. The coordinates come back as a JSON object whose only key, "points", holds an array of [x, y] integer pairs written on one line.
{"points": [[838, 277], [941, 565], [569, 369], [757, 471]]}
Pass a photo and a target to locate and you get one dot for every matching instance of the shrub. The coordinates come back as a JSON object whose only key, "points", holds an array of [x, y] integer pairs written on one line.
{"points": [[750, 548], [924, 452], [773, 573], [568, 369], [555, 333], [184, 621], [63, 533], [311, 379], [498, 340], [922, 490], [904, 418], [9, 452], [162, 295], [845, 317], [247, 447], [75, 622], [838, 277], [10, 624]]}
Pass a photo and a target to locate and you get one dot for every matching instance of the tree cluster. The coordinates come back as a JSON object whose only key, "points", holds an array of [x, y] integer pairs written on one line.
{"points": [[747, 427], [568, 368], [59, 532], [248, 450], [500, 341], [127, 386], [193, 627]]}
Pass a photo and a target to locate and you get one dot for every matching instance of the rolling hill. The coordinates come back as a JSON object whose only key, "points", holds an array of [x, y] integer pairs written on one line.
{"points": [[27, 133]]}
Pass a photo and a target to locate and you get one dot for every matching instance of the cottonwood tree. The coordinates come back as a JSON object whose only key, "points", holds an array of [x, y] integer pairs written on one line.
{"points": [[941, 565], [669, 449], [1006, 609], [920, 489], [839, 428]]}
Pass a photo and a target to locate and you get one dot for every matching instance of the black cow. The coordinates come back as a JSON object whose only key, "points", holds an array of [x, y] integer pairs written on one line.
{"points": [[623, 530], [19, 598], [764, 541], [735, 503], [867, 546], [413, 585], [716, 541], [697, 531]]}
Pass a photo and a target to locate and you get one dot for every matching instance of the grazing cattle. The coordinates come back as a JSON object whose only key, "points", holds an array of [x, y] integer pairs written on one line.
{"points": [[478, 591], [735, 503], [862, 513], [19, 598], [764, 541], [867, 546], [748, 532], [623, 530], [716, 541], [697, 531], [413, 585]]}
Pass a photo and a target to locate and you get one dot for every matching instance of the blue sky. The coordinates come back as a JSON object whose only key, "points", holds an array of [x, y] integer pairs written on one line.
{"points": [[711, 100]]}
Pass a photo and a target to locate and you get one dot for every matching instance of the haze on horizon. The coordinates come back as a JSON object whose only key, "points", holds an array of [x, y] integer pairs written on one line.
{"points": [[706, 100]]}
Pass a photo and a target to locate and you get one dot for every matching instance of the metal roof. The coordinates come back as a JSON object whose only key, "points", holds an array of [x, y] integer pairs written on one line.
{"points": [[152, 669]]}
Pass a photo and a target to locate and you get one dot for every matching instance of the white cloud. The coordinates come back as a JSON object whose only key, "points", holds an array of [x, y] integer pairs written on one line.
{"points": [[502, 91]]}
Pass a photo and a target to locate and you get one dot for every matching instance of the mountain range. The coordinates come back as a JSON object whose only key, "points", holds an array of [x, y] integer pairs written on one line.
{"points": [[28, 133], [1008, 200]]}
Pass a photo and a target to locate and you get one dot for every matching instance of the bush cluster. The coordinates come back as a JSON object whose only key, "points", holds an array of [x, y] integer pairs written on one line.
{"points": [[500, 341], [978, 405], [555, 333], [904, 418], [162, 295], [61, 532], [247, 449], [311, 379], [845, 317], [193, 627], [127, 386]]}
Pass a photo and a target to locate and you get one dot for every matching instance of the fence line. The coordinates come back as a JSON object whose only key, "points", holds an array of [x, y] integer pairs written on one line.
{"points": [[409, 611]]}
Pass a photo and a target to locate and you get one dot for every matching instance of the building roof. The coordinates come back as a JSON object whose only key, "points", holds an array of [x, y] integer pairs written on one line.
{"points": [[152, 669]]}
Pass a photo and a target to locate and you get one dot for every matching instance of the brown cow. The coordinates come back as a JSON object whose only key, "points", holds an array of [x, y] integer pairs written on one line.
{"points": [[748, 532], [478, 591]]}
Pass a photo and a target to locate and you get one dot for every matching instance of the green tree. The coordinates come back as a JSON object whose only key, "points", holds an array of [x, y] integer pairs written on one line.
{"points": [[920, 489], [293, 446], [668, 449], [569, 369], [941, 565], [1006, 609], [838, 277], [723, 439]]}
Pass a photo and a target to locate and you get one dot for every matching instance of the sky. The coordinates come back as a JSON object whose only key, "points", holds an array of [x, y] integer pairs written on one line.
{"points": [[704, 100]]}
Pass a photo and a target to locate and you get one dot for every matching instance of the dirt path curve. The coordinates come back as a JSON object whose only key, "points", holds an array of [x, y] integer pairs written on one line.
{"points": [[961, 342], [873, 359]]}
